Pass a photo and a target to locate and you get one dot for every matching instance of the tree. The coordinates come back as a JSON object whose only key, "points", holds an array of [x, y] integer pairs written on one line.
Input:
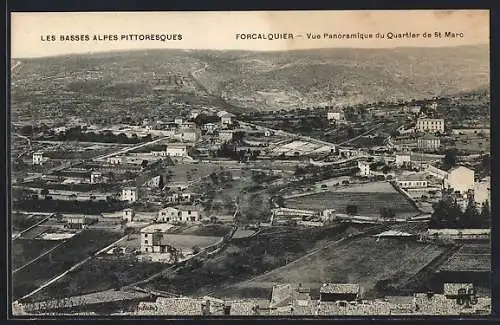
{"points": [[144, 164], [450, 158], [386, 169], [44, 191], [161, 183], [196, 249], [485, 215]]}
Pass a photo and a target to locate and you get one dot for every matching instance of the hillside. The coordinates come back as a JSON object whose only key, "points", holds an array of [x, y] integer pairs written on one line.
{"points": [[258, 80]]}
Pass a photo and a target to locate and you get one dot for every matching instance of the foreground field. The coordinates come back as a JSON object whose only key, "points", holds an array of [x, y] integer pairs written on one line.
{"points": [[365, 261], [369, 203], [73, 251], [26, 250]]}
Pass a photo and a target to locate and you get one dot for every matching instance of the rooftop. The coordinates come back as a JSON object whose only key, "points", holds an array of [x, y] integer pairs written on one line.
{"points": [[339, 288], [163, 227]]}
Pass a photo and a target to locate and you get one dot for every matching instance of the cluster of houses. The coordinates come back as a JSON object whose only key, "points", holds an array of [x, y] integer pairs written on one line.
{"points": [[334, 299]]}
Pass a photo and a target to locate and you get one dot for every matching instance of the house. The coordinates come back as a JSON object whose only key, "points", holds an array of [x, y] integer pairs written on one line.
{"points": [[460, 179], [452, 290], [364, 168], [188, 134], [154, 182], [178, 120], [430, 125], [413, 181], [226, 120], [115, 160], [180, 197], [38, 158], [268, 133], [403, 159], [428, 143], [128, 214], [188, 125], [210, 127], [152, 238], [176, 150], [338, 291], [335, 115], [95, 177], [162, 153], [226, 135], [182, 214], [482, 191], [79, 221], [129, 194]]}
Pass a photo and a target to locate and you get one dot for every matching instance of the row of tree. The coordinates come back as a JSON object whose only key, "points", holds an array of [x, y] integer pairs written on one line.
{"points": [[448, 214]]}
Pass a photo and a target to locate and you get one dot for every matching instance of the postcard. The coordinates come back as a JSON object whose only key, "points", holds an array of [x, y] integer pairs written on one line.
{"points": [[250, 163]]}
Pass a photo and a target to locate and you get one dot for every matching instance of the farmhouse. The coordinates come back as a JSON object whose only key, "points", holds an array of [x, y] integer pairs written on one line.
{"points": [[413, 181], [430, 125], [184, 214], [364, 168], [128, 214], [129, 194], [38, 158], [337, 291], [460, 179], [152, 238], [95, 177]]}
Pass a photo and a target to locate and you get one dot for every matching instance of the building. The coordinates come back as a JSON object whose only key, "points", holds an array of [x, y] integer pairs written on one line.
{"points": [[482, 191], [458, 234], [335, 115], [428, 143], [403, 159], [339, 291], [364, 168], [226, 119], [129, 194], [413, 181], [153, 238], [452, 290], [128, 214], [115, 160], [159, 153], [210, 127], [38, 158], [176, 150], [226, 135], [430, 125], [188, 134], [178, 120], [436, 172], [182, 214], [460, 179], [96, 177]]}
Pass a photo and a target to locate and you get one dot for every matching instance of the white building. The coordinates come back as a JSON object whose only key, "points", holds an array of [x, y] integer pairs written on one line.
{"points": [[226, 120], [128, 214], [153, 238], [335, 115], [96, 177], [210, 127], [183, 214], [460, 179], [364, 168], [38, 158], [430, 125], [115, 160], [129, 194], [428, 143], [482, 191], [178, 120], [188, 134], [176, 150], [226, 135], [413, 181], [402, 159]]}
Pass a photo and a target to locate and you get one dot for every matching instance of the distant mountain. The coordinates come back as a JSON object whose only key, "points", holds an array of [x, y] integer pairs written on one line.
{"points": [[268, 80]]}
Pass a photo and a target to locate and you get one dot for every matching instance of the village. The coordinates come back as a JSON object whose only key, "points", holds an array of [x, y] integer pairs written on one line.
{"points": [[167, 193]]}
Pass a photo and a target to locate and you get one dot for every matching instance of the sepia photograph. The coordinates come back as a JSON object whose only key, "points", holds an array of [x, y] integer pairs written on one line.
{"points": [[315, 164]]}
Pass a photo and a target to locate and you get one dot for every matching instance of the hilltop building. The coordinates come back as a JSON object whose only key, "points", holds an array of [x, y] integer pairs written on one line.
{"points": [[430, 125]]}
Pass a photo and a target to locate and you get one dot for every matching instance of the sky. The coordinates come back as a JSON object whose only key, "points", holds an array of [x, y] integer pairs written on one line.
{"points": [[218, 30]]}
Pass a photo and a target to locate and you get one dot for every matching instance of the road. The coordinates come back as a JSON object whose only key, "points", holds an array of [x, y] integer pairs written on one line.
{"points": [[122, 151], [378, 126]]}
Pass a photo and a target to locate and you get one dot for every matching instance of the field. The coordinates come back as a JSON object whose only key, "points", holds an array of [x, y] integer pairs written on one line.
{"points": [[368, 203], [365, 261], [99, 274], [22, 221], [73, 251], [25, 250], [470, 257], [191, 172]]}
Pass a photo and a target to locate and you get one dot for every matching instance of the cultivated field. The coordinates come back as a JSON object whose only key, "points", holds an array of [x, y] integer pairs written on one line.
{"points": [[368, 203], [26, 250], [365, 261], [470, 257], [73, 251]]}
